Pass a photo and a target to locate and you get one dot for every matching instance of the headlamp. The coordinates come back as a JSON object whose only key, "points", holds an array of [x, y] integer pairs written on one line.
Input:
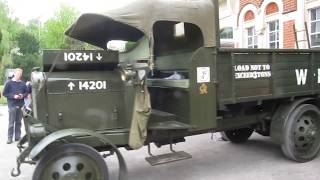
{"points": [[127, 74]]}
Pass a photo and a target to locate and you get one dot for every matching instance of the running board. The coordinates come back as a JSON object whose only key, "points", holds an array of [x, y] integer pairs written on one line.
{"points": [[166, 158]]}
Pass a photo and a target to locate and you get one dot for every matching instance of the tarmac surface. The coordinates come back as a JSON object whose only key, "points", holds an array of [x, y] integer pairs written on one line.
{"points": [[258, 159]]}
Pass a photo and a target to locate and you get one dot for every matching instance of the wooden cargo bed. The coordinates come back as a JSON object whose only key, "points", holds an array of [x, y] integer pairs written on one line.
{"points": [[259, 74]]}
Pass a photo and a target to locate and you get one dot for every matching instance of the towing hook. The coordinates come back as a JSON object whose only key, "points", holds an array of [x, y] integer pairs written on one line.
{"points": [[16, 172]]}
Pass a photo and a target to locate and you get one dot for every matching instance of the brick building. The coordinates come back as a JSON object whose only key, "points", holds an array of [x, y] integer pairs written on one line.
{"points": [[270, 23]]}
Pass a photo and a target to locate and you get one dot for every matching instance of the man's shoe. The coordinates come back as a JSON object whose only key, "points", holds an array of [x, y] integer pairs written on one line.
{"points": [[17, 139], [9, 141]]}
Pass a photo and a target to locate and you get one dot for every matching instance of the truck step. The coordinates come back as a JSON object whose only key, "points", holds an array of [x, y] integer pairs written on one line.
{"points": [[167, 158]]}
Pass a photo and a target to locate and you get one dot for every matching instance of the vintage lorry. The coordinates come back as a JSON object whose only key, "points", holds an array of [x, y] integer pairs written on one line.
{"points": [[86, 102]]}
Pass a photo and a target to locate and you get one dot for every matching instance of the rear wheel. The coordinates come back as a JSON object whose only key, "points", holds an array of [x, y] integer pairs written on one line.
{"points": [[71, 161], [237, 135], [302, 134]]}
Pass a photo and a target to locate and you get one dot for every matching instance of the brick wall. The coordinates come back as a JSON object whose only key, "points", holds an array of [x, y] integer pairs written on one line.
{"points": [[288, 35], [288, 5], [257, 3]]}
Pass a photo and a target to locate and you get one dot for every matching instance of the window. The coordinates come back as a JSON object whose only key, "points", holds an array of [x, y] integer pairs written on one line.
{"points": [[273, 34], [179, 31], [167, 39], [252, 38], [249, 16], [272, 8], [223, 4], [315, 28], [226, 33]]}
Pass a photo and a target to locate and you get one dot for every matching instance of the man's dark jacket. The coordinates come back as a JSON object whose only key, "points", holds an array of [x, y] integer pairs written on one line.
{"points": [[15, 88]]}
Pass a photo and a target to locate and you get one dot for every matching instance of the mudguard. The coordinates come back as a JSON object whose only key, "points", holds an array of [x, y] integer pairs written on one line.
{"points": [[280, 118], [37, 149]]}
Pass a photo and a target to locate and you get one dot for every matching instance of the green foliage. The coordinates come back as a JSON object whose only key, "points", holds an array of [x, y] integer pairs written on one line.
{"points": [[52, 35], [1, 50], [27, 43], [0, 36], [10, 28], [3, 100], [4, 11], [26, 62], [6, 64], [130, 45], [20, 44], [34, 27]]}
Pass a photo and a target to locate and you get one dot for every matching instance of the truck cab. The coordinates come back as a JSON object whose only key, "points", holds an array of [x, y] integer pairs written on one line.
{"points": [[175, 82]]}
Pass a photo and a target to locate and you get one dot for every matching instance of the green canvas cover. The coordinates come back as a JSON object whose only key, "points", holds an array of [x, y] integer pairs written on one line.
{"points": [[141, 114], [136, 19]]}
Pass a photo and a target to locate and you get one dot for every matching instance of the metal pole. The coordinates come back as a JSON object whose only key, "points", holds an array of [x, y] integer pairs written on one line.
{"points": [[307, 33], [217, 21], [295, 35]]}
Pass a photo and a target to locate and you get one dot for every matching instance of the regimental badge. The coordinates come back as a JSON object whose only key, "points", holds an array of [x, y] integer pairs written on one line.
{"points": [[203, 89]]}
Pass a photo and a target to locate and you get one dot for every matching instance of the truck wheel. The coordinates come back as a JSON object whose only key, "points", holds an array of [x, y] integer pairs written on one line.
{"points": [[237, 135], [71, 161], [224, 136], [302, 134]]}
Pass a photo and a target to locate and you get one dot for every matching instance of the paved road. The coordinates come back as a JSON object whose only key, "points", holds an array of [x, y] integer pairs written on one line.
{"points": [[258, 159]]}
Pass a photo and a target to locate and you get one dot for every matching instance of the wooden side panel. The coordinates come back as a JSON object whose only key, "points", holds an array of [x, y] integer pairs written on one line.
{"points": [[255, 76]]}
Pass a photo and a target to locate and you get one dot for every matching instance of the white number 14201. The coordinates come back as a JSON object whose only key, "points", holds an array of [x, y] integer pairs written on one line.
{"points": [[92, 85]]}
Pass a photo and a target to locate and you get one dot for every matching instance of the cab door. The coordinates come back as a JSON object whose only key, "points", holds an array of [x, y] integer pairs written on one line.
{"points": [[203, 89]]}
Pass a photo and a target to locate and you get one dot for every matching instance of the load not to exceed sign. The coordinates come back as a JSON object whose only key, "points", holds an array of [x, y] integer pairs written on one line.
{"points": [[86, 85]]}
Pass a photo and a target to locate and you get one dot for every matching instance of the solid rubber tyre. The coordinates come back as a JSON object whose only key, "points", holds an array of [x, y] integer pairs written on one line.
{"points": [[71, 161], [301, 134], [237, 135]]}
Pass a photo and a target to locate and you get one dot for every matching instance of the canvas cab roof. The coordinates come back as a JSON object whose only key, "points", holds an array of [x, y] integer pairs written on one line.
{"points": [[137, 18]]}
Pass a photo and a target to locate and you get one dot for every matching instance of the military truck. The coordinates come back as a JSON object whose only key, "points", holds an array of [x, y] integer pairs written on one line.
{"points": [[175, 82]]}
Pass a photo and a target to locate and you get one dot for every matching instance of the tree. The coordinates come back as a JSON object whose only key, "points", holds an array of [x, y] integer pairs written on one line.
{"points": [[1, 51], [26, 62], [34, 27], [27, 43], [14, 35], [52, 35], [29, 53], [0, 36], [10, 29]]}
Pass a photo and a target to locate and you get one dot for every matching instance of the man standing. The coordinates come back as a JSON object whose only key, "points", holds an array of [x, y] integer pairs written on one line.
{"points": [[15, 91]]}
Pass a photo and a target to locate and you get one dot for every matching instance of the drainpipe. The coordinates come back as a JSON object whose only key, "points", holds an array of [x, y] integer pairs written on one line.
{"points": [[217, 21]]}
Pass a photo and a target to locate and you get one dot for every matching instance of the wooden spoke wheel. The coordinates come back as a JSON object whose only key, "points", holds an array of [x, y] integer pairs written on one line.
{"points": [[71, 162]]}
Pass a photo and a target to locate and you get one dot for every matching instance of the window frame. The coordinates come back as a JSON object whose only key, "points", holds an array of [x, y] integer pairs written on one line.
{"points": [[254, 42], [317, 20], [276, 34], [227, 31], [246, 25]]}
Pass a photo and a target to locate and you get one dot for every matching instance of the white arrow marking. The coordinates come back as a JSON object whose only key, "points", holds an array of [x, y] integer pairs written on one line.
{"points": [[99, 57], [71, 85]]}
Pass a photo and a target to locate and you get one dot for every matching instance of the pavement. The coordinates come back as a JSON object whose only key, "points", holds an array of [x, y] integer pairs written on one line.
{"points": [[258, 159]]}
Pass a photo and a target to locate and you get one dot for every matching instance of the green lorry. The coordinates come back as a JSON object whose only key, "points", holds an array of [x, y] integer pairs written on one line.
{"points": [[175, 82]]}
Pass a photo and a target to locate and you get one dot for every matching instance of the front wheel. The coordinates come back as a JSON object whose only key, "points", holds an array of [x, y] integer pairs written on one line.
{"points": [[302, 134], [71, 161], [237, 135]]}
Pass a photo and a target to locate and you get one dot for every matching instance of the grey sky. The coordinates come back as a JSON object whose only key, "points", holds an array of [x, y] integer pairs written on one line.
{"points": [[25, 10]]}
